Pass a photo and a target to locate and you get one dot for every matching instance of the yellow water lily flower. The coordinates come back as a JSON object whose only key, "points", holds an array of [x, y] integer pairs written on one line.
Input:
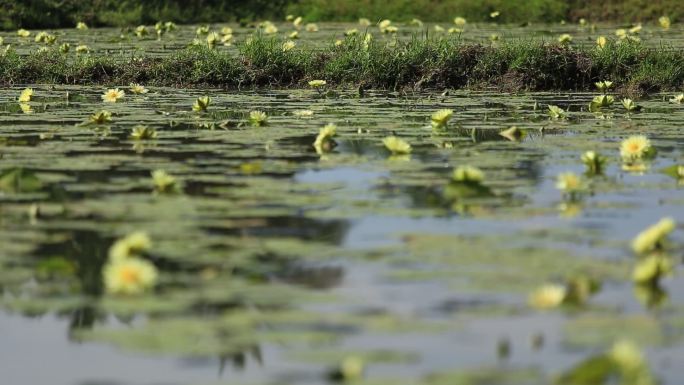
{"points": [[636, 29], [212, 39], [653, 237], [387, 27], [64, 47], [440, 118], [164, 183], [601, 41], [312, 27], [629, 105], [650, 269], [468, 174], [627, 357], [601, 101], [23, 33], [569, 182], [364, 22], [454, 30], [170, 26], [351, 32], [416, 22], [396, 145], [294, 35], [635, 147], [317, 83], [201, 104], [351, 369], [297, 23], [678, 99], [288, 45], [621, 33], [101, 117], [130, 276], [303, 113], [81, 26], [582, 22], [132, 245], [547, 296], [141, 31], [82, 48], [438, 28], [565, 38], [141, 132], [226, 31], [258, 118], [556, 112], [460, 21], [137, 89], [494, 14], [324, 141], [367, 39], [40, 37], [270, 28], [202, 30], [113, 95], [494, 37], [604, 85], [159, 27], [227, 40], [664, 22], [26, 95]]}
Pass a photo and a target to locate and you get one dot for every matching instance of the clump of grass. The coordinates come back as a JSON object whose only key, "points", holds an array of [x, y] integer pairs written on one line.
{"points": [[418, 63]]}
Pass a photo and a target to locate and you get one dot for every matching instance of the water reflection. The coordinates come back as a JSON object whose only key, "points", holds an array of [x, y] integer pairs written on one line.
{"points": [[271, 250]]}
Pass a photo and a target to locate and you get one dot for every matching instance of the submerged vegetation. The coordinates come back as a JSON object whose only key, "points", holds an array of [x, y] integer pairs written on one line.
{"points": [[419, 63]]}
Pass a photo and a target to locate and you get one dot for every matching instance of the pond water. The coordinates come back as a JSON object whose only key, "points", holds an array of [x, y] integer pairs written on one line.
{"points": [[276, 262]]}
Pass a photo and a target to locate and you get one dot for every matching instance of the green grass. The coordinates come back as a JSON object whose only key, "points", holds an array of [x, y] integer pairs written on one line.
{"points": [[511, 11], [417, 64], [65, 13]]}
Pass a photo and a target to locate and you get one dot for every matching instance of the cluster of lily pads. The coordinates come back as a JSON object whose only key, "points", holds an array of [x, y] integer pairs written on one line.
{"points": [[650, 245], [225, 36], [623, 34], [466, 182], [129, 271]]}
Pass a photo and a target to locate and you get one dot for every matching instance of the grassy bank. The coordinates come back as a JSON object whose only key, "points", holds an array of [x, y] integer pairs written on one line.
{"points": [[66, 13], [420, 63], [510, 11]]}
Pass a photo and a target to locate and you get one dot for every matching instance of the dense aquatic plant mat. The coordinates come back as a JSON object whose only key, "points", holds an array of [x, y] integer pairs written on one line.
{"points": [[418, 64]]}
